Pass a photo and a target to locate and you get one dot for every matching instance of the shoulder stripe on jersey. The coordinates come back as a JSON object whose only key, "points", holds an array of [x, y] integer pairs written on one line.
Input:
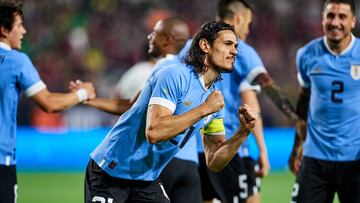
{"points": [[255, 72], [163, 102], [245, 86], [35, 88], [302, 82]]}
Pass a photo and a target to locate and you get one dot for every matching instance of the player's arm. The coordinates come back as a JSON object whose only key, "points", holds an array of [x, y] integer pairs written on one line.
{"points": [[54, 102], [274, 92], [162, 125], [110, 105], [302, 110], [249, 97], [219, 151]]}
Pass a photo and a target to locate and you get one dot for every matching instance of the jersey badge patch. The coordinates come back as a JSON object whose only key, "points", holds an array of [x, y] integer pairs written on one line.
{"points": [[355, 72]]}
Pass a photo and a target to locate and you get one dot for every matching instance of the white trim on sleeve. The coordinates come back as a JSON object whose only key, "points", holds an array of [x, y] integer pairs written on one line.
{"points": [[302, 82], [245, 86], [255, 72], [217, 133], [35, 88], [163, 102]]}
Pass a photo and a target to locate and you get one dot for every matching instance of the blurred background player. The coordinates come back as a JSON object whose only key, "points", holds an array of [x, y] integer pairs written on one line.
{"points": [[126, 165], [329, 73], [238, 182], [18, 75]]}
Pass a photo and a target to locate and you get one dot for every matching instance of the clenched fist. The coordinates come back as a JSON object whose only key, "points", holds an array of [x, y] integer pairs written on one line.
{"points": [[214, 102], [247, 117]]}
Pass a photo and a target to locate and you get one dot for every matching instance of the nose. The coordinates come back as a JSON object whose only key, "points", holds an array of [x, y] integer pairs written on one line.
{"points": [[335, 21], [234, 51], [149, 36]]}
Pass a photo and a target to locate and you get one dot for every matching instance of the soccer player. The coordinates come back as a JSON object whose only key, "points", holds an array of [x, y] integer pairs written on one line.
{"points": [[168, 37], [180, 177], [329, 73], [174, 104], [18, 75], [239, 181]]}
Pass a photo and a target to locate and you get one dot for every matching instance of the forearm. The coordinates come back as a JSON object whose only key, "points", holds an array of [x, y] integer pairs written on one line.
{"points": [[56, 102], [161, 128], [219, 156], [113, 106], [279, 99]]}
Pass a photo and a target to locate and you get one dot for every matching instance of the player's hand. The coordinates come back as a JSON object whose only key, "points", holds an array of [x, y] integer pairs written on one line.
{"points": [[247, 117], [88, 86], [214, 102], [295, 159], [264, 165]]}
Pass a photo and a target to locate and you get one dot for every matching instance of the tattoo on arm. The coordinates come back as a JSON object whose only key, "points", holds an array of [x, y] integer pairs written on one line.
{"points": [[276, 95]]}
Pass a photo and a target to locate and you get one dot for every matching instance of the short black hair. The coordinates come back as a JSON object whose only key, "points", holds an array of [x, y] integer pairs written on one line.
{"points": [[225, 10], [208, 31], [351, 3], [8, 10]]}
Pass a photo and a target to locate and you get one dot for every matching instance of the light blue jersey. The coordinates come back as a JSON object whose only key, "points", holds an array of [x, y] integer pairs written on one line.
{"points": [[189, 152], [248, 65], [334, 115], [125, 152], [17, 74]]}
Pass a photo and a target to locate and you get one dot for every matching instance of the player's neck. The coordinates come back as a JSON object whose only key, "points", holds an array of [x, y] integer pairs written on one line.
{"points": [[339, 47], [210, 76]]}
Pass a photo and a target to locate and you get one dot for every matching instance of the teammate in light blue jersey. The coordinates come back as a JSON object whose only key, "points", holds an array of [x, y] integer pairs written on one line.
{"points": [[329, 73], [174, 103], [18, 75]]}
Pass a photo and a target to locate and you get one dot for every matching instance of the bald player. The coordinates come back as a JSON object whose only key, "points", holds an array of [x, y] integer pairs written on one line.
{"points": [[168, 37]]}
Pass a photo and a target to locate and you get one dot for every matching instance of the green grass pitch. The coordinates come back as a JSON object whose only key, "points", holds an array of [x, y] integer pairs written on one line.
{"points": [[68, 187]]}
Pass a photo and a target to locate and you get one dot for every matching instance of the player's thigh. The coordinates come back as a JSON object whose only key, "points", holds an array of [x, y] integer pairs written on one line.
{"points": [[236, 182], [349, 187], [187, 188], [313, 183], [8, 184], [101, 188], [150, 193], [207, 190]]}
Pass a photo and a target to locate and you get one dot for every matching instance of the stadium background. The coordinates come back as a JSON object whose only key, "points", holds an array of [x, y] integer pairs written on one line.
{"points": [[98, 41]]}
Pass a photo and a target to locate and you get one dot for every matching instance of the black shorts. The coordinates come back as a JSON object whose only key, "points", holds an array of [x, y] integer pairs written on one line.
{"points": [[101, 187], [181, 181], [235, 183], [8, 184], [318, 181]]}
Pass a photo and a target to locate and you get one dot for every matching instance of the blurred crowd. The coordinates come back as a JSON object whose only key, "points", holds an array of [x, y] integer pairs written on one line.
{"points": [[98, 41]]}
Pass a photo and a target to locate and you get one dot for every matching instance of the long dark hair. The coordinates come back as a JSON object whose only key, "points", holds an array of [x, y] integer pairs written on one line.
{"points": [[208, 31], [8, 10]]}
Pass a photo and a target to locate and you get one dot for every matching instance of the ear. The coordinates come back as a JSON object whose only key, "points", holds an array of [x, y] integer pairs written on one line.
{"points": [[204, 45], [3, 32], [238, 19], [353, 22]]}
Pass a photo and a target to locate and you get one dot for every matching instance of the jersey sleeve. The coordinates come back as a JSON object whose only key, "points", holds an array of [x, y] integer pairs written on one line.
{"points": [[302, 76], [248, 62], [167, 88], [29, 79]]}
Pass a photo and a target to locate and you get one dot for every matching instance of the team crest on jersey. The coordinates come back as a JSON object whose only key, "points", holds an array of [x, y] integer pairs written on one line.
{"points": [[355, 72]]}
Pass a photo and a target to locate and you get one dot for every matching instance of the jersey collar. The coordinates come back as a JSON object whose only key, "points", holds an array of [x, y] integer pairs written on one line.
{"points": [[352, 42], [5, 46]]}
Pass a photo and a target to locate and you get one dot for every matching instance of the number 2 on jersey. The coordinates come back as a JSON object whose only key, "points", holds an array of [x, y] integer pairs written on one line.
{"points": [[338, 88]]}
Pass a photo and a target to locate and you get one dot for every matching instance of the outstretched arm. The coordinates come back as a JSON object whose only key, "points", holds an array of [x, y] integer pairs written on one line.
{"points": [[110, 105], [218, 150], [302, 110], [54, 102], [249, 97]]}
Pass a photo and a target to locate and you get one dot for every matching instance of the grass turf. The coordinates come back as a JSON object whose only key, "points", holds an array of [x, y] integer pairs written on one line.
{"points": [[68, 187]]}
